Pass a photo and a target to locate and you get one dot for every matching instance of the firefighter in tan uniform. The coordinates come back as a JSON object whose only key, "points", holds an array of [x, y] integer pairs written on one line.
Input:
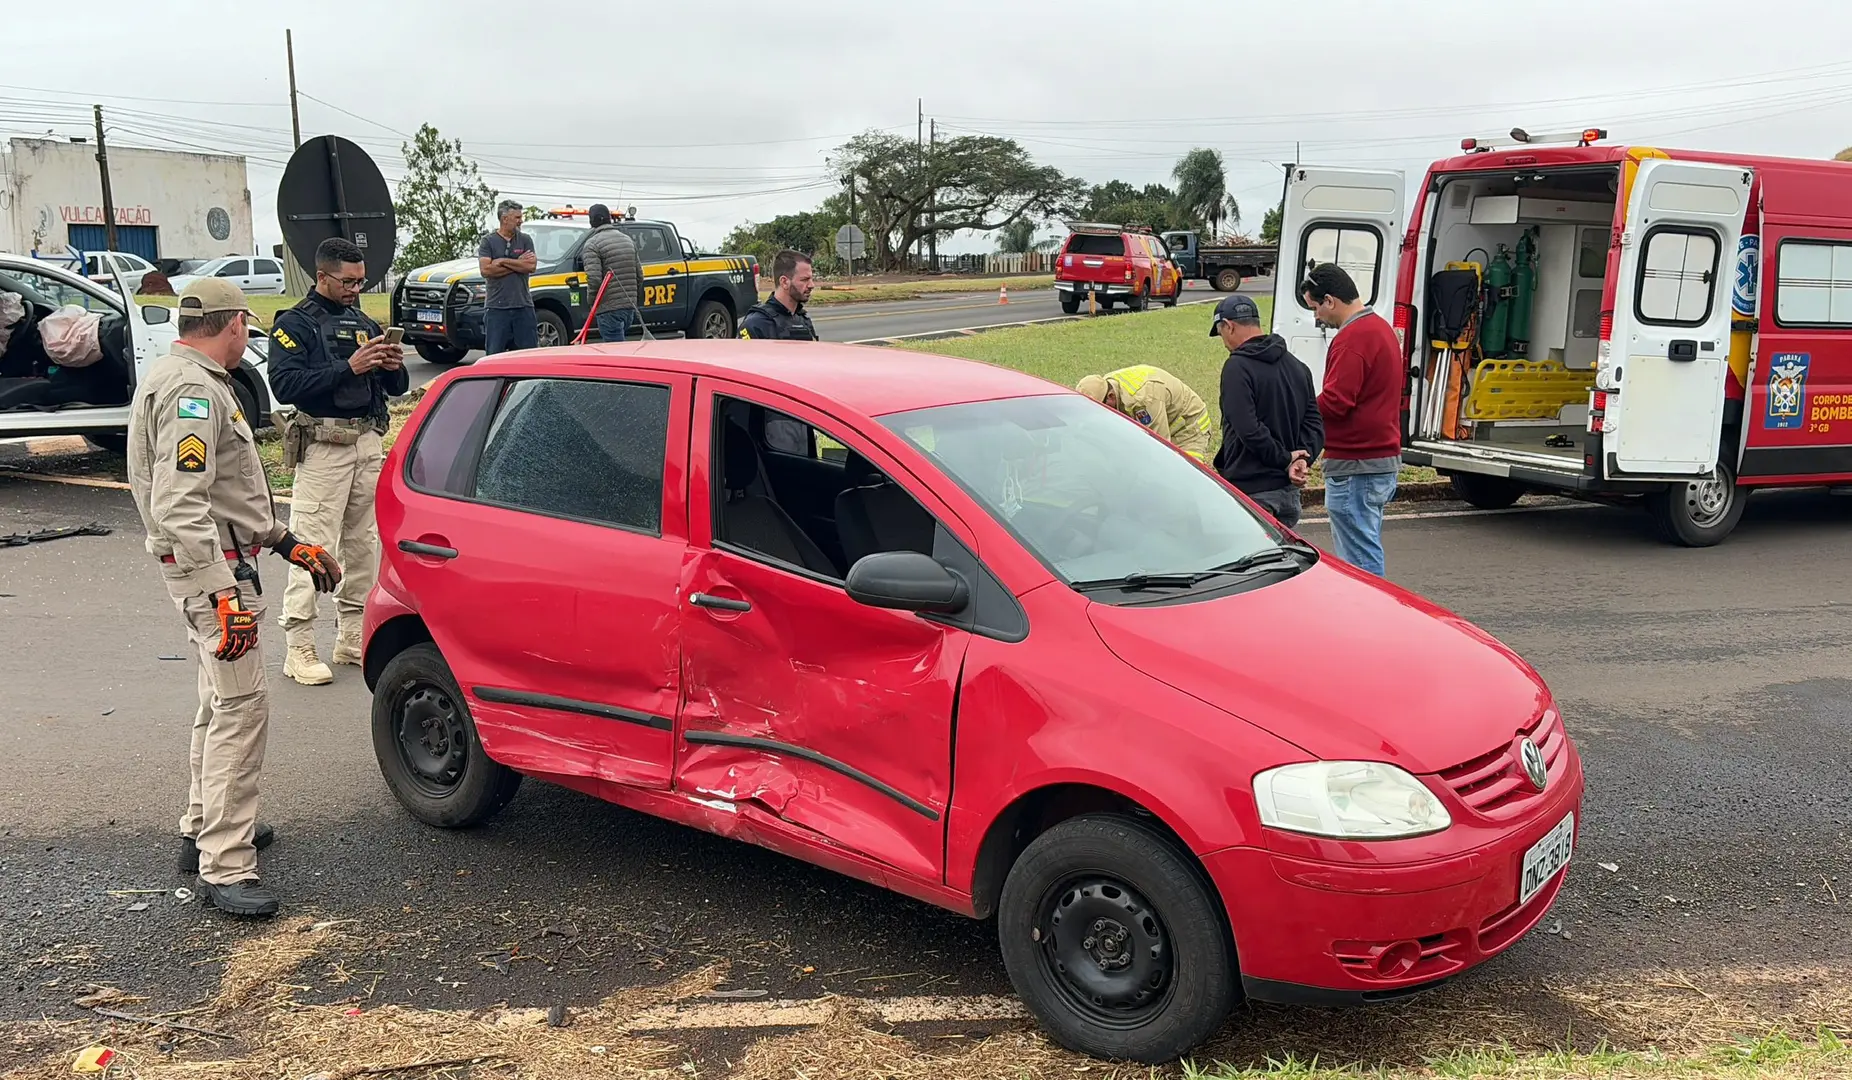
{"points": [[1157, 399], [205, 502]]}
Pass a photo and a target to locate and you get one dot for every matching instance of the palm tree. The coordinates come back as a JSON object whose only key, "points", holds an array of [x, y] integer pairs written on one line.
{"points": [[1202, 186]]}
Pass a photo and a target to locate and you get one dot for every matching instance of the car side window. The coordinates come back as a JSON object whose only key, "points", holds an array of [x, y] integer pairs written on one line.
{"points": [[235, 268], [268, 266], [443, 460], [811, 511], [584, 449], [63, 295]]}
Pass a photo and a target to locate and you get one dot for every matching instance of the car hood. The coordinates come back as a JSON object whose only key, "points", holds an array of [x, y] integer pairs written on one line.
{"points": [[445, 273], [1340, 664], [181, 281]]}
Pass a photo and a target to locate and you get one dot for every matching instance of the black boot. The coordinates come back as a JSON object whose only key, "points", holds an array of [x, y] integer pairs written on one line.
{"points": [[189, 848], [247, 897]]}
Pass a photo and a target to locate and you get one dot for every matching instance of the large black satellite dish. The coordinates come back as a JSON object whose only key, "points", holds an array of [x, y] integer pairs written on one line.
{"points": [[332, 188]]}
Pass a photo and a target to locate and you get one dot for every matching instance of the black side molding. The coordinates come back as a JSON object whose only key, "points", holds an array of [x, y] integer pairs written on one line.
{"points": [[771, 746], [501, 696]]}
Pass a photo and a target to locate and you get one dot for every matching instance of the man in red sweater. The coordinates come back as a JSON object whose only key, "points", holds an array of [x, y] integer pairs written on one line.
{"points": [[1361, 408]]}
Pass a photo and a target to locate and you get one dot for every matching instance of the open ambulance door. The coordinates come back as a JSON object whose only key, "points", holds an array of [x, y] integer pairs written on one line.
{"points": [[1667, 354], [1349, 216]]}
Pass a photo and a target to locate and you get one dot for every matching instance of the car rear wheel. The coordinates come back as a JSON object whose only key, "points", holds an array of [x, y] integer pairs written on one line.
{"points": [[434, 353], [427, 747], [549, 329], [1700, 513], [713, 320], [1141, 298], [1114, 940], [1228, 280], [1070, 304], [1486, 492]]}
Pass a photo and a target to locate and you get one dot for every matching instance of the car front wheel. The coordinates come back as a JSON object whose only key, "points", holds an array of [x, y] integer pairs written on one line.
{"points": [[1115, 941], [427, 747], [1700, 513]]}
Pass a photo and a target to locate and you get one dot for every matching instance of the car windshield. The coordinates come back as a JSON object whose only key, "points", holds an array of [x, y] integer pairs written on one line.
{"points": [[1087, 491], [208, 268], [189, 266], [552, 242]]}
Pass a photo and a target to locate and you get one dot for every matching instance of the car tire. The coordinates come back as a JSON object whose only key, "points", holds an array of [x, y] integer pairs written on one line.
{"points": [[1140, 299], [550, 330], [712, 320], [1486, 492], [1701, 513], [1109, 891], [426, 744], [1176, 294], [1228, 280], [433, 353], [1070, 305]]}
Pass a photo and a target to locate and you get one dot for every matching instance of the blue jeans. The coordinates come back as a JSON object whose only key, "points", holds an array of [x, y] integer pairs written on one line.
{"points": [[1355, 504], [614, 325], [510, 328]]}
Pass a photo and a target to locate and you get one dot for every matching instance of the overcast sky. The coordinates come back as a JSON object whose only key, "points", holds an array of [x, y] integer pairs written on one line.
{"points": [[713, 114]]}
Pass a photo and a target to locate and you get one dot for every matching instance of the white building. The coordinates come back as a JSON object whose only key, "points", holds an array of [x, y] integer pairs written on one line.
{"points": [[169, 204]]}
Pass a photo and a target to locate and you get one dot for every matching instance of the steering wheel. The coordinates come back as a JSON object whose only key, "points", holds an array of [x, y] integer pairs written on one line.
{"points": [[1069, 518]]}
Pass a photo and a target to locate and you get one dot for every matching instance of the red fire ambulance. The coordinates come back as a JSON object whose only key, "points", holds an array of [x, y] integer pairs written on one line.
{"points": [[1601, 321]]}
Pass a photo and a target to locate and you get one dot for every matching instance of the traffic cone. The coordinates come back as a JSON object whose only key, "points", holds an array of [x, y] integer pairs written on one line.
{"points": [[1003, 294]]}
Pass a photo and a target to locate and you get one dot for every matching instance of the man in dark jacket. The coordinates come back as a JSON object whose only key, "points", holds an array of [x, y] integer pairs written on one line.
{"points": [[782, 316], [1271, 430], [609, 250]]}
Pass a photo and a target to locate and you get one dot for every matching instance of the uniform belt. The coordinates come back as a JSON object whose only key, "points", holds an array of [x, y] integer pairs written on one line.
{"points": [[229, 555]]}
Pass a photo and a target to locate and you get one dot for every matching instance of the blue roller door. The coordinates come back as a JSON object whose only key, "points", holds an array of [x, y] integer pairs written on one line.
{"points": [[143, 240]]}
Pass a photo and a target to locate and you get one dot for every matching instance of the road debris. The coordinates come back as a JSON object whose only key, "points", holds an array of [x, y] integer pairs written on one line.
{"points": [[558, 1017], [1612, 868], [21, 539]]}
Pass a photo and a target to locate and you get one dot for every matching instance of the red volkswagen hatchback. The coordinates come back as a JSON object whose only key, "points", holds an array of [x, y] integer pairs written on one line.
{"points": [[965, 634]]}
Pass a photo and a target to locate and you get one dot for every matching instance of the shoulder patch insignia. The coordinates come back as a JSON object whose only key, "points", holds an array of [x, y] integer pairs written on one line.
{"points": [[195, 408], [190, 454], [238, 416], [282, 338], [1143, 417]]}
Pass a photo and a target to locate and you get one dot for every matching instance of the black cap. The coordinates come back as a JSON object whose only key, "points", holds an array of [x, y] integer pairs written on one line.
{"points": [[1236, 308]]}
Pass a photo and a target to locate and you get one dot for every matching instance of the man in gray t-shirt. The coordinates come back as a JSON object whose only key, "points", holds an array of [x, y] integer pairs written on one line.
{"points": [[507, 258]]}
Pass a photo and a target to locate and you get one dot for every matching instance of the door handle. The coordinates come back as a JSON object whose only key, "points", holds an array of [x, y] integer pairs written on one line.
{"points": [[673, 270], [419, 547], [1683, 351], [719, 603]]}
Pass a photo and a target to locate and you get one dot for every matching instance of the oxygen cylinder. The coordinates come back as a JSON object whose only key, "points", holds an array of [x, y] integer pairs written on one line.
{"points": [[1495, 337], [1524, 289]]}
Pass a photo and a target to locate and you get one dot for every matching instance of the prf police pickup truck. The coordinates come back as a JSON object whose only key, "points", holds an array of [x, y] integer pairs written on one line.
{"points": [[440, 307]]}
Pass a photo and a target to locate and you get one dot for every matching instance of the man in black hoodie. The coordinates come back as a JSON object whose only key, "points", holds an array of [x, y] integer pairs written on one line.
{"points": [[1271, 430]]}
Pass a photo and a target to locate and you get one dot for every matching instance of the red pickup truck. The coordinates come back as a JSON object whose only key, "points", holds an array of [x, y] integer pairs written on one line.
{"points": [[1115, 263]]}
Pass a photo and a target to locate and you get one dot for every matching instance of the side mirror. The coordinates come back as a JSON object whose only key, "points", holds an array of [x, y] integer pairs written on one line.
{"points": [[906, 581], [156, 314]]}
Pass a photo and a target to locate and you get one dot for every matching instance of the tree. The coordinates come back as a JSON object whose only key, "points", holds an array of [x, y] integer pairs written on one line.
{"points": [[1844, 155], [976, 182], [1270, 226], [1018, 238], [442, 201], [812, 232], [1202, 188], [1119, 203]]}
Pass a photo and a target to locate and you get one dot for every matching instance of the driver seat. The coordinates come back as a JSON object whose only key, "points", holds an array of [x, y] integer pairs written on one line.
{"points": [[875, 515]]}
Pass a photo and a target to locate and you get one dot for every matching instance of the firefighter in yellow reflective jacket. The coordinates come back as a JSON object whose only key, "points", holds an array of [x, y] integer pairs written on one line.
{"points": [[1157, 399]]}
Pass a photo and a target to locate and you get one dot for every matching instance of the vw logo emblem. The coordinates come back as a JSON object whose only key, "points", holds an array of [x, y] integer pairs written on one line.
{"points": [[1531, 757]]}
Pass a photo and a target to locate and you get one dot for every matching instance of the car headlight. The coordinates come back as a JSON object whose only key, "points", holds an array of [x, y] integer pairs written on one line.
{"points": [[1348, 800], [478, 292]]}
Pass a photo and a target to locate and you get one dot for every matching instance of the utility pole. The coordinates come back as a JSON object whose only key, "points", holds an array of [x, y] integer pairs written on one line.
{"points": [[919, 151], [932, 198], [102, 166], [296, 280], [852, 220]]}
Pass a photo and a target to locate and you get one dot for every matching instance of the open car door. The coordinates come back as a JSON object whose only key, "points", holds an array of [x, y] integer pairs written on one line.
{"points": [[1666, 356], [1352, 217]]}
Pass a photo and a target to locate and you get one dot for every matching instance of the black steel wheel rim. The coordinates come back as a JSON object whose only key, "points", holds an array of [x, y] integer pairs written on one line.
{"points": [[716, 325], [1104, 948], [432, 739]]}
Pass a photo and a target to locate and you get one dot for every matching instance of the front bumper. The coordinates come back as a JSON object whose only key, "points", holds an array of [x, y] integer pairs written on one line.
{"points": [[458, 322], [1325, 932]]}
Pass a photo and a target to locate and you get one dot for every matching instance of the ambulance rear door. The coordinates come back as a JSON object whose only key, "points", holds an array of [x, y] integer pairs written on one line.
{"points": [[1349, 216], [1668, 350]]}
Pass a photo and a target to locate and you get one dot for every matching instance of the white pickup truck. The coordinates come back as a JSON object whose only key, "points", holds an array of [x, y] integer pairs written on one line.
{"points": [[38, 398]]}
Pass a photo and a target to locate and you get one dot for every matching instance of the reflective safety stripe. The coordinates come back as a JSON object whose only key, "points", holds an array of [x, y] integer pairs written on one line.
{"points": [[1133, 378]]}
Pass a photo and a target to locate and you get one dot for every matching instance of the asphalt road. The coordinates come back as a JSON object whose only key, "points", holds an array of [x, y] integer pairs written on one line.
{"points": [[1710, 692], [927, 315]]}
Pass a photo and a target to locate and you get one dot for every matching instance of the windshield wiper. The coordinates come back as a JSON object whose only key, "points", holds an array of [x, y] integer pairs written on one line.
{"points": [[1264, 558], [1136, 582], [1266, 555]]}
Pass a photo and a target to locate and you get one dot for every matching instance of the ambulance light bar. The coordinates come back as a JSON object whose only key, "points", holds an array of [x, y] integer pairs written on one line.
{"points": [[1520, 137]]}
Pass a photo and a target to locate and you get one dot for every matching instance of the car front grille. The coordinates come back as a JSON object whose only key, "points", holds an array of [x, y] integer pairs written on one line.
{"points": [[1494, 783], [426, 296]]}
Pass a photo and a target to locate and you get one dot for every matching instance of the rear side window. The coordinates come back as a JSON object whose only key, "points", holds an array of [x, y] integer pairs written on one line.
{"points": [[1095, 244], [443, 461], [1813, 284], [1358, 249], [579, 448], [1678, 277]]}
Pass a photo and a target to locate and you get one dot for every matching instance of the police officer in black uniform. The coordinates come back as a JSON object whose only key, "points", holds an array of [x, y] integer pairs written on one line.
{"points": [[330, 361], [782, 317]]}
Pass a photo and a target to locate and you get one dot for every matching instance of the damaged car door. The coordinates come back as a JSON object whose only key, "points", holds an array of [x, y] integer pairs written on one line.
{"points": [[803, 710]]}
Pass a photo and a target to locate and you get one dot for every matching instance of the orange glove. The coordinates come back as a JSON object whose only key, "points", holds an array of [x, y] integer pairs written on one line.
{"points": [[311, 557], [237, 627]]}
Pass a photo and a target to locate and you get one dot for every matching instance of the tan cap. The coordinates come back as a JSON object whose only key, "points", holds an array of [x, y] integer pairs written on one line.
{"points": [[207, 295], [1094, 386]]}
